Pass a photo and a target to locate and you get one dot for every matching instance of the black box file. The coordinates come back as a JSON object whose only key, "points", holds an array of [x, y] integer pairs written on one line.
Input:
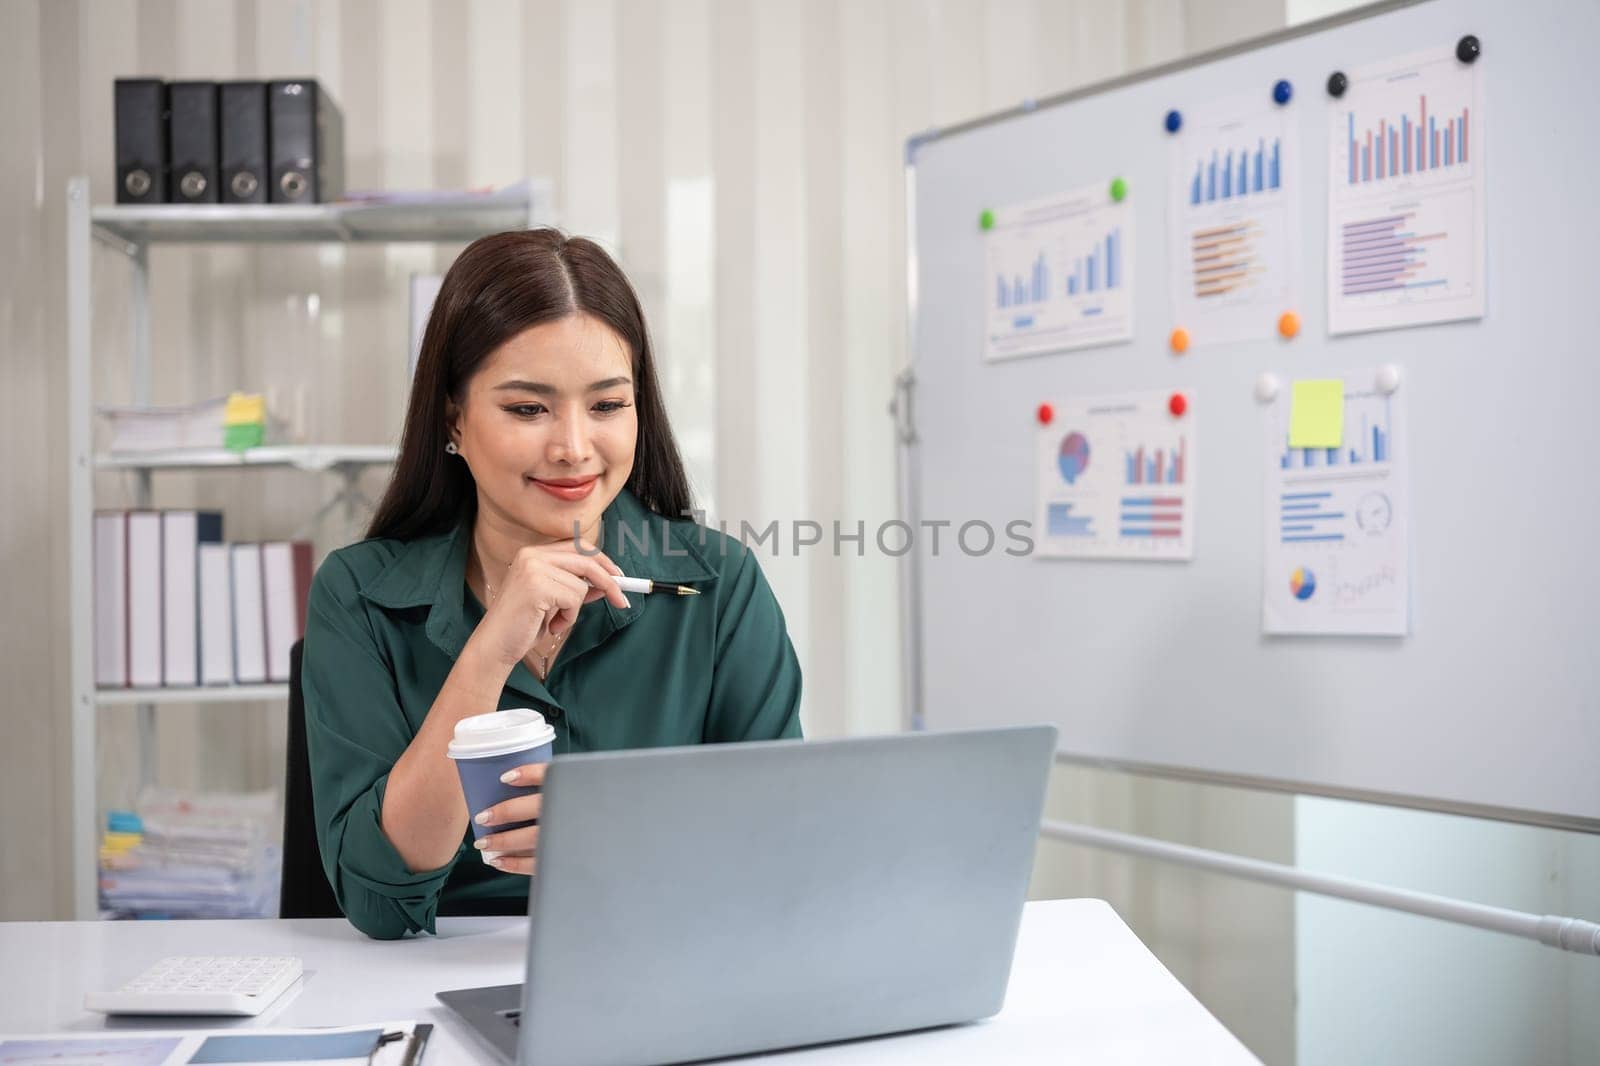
{"points": [[192, 138], [307, 143], [140, 106], [245, 165]]}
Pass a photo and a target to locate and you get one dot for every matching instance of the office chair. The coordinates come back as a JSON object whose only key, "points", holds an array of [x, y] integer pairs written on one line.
{"points": [[304, 890]]}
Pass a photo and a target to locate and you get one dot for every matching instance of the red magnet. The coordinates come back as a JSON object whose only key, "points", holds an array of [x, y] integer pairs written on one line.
{"points": [[1047, 414], [1177, 405]]}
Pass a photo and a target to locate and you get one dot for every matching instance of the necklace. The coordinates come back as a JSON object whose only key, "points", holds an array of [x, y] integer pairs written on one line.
{"points": [[545, 657]]}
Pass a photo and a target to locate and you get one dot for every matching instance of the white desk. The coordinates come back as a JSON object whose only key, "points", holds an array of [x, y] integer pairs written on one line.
{"points": [[1083, 988]]}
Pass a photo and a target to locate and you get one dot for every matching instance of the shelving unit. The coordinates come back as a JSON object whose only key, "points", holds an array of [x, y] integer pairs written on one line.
{"points": [[131, 230]]}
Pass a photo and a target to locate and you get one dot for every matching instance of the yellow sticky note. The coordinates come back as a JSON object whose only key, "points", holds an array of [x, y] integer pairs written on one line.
{"points": [[244, 408], [1316, 414]]}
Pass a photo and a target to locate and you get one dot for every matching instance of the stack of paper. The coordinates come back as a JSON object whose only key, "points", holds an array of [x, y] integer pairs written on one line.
{"points": [[144, 429], [515, 193], [198, 855]]}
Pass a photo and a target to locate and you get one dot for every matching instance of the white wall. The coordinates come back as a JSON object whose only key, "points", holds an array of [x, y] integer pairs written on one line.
{"points": [[1424, 991]]}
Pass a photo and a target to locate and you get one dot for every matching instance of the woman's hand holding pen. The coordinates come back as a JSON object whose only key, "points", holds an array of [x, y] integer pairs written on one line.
{"points": [[539, 596]]}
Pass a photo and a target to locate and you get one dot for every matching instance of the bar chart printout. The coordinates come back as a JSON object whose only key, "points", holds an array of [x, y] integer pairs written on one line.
{"points": [[1234, 220], [1256, 172], [1406, 211], [1059, 274], [1115, 479], [1336, 541]]}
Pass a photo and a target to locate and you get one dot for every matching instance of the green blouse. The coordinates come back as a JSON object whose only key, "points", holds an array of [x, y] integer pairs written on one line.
{"points": [[388, 618]]}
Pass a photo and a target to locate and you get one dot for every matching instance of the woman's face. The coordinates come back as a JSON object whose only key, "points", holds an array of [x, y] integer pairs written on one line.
{"points": [[548, 426]]}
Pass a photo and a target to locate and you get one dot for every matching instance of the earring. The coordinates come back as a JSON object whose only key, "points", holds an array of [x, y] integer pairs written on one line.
{"points": [[451, 449]]}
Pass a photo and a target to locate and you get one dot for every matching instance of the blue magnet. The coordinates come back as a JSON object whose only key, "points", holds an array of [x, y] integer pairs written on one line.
{"points": [[1174, 121], [1283, 91]]}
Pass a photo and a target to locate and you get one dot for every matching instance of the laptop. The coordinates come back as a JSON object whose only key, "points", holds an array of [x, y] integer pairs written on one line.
{"points": [[728, 899]]}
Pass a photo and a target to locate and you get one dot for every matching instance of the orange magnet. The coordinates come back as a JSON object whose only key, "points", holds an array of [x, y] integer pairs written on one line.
{"points": [[1047, 414], [1288, 325], [1178, 404], [1179, 340]]}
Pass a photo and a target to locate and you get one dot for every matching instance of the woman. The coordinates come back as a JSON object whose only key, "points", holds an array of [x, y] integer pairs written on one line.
{"points": [[536, 464]]}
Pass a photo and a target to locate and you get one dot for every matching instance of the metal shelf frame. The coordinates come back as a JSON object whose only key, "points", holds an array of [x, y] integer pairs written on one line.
{"points": [[139, 697], [461, 219], [312, 458], [131, 230]]}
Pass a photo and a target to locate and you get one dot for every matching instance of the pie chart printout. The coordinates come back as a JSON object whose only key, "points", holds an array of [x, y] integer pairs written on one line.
{"points": [[1074, 457]]}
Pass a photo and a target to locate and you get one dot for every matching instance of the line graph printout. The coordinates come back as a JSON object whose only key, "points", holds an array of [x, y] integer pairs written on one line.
{"points": [[1234, 218], [1058, 274], [1406, 195]]}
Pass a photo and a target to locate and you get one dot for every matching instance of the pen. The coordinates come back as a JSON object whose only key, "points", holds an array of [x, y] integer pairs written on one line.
{"points": [[383, 1041], [418, 1044], [644, 584]]}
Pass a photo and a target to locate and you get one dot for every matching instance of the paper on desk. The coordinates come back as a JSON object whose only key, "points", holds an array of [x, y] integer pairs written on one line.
{"points": [[147, 1050], [237, 1047]]}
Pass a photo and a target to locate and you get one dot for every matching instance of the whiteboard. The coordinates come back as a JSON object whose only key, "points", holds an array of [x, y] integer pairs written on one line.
{"points": [[1491, 704]]}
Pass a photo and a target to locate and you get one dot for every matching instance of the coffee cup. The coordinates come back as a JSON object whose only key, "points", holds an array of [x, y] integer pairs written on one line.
{"points": [[487, 745]]}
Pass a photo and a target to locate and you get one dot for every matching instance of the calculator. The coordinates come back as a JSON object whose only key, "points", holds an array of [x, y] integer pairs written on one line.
{"points": [[240, 985]]}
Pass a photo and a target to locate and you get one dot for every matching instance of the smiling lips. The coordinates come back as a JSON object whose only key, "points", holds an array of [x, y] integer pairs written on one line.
{"points": [[570, 489]]}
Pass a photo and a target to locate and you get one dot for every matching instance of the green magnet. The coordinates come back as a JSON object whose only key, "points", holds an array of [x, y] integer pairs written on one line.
{"points": [[986, 220], [1119, 189]]}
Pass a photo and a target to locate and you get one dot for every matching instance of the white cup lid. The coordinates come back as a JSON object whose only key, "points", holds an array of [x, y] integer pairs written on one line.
{"points": [[499, 733]]}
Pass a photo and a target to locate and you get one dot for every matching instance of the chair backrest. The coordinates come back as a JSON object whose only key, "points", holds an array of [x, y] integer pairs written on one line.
{"points": [[304, 890]]}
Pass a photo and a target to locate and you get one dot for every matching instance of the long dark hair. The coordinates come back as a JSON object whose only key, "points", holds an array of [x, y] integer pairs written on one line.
{"points": [[498, 287]]}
